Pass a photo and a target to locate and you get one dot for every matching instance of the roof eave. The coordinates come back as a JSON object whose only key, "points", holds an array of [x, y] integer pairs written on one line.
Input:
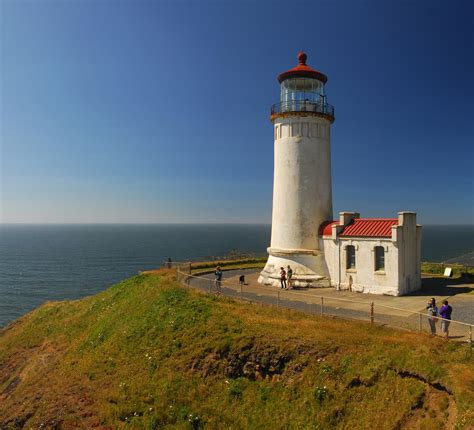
{"points": [[313, 74]]}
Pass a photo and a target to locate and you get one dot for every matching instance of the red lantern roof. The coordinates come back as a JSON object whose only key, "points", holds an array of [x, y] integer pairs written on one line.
{"points": [[302, 71], [363, 227]]}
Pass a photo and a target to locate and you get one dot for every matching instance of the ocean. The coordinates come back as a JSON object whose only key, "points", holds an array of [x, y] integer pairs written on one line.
{"points": [[61, 262]]}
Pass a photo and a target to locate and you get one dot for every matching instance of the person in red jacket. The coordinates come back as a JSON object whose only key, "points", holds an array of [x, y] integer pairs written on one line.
{"points": [[283, 277]]}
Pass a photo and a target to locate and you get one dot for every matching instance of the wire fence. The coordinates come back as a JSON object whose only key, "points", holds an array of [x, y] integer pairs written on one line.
{"points": [[374, 313]]}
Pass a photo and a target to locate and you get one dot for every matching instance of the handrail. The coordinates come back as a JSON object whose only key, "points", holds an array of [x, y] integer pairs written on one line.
{"points": [[223, 283], [303, 106]]}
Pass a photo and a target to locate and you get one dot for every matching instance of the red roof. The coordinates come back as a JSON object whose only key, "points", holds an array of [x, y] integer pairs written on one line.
{"points": [[326, 228], [370, 227], [302, 71], [364, 227]]}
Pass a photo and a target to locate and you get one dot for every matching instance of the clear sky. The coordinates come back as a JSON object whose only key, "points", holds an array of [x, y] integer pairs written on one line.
{"points": [[153, 111]]}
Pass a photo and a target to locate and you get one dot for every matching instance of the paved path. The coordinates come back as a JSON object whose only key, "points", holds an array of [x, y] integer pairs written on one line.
{"points": [[342, 303]]}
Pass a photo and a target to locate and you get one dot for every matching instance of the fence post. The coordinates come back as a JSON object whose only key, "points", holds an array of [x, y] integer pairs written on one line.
{"points": [[372, 312], [322, 305], [278, 299], [420, 322], [240, 292], [190, 267]]}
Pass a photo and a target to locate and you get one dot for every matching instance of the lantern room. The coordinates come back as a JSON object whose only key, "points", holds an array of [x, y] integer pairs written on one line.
{"points": [[302, 89]]}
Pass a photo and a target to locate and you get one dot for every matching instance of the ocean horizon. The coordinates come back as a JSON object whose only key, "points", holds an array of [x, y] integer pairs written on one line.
{"points": [[42, 262]]}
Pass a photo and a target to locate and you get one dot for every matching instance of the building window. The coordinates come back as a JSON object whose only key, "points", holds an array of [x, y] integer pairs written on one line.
{"points": [[350, 257], [379, 258]]}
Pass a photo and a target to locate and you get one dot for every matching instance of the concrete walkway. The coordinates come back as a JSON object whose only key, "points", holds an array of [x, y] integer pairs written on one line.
{"points": [[395, 311]]}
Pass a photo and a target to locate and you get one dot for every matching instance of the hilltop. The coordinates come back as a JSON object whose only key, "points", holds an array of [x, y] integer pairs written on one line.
{"points": [[149, 353]]}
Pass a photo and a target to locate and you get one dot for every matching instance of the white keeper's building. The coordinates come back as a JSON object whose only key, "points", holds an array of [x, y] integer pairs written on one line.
{"points": [[370, 255]]}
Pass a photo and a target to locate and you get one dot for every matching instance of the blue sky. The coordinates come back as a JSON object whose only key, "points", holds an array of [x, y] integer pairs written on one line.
{"points": [[153, 111]]}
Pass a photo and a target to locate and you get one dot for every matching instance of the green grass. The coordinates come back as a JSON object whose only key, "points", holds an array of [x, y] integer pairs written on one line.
{"points": [[228, 264], [148, 353], [438, 269]]}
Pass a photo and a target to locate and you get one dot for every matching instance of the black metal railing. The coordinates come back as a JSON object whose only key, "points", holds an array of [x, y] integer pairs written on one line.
{"points": [[303, 106]]}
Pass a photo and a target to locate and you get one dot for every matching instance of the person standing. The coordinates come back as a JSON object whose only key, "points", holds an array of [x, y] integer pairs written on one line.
{"points": [[445, 313], [432, 315], [289, 276], [282, 277], [218, 276]]}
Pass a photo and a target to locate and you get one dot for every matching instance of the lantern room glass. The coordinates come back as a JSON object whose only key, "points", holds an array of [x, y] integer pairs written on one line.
{"points": [[302, 89]]}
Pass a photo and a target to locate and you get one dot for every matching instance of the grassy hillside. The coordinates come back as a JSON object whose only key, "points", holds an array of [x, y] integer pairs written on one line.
{"points": [[148, 353]]}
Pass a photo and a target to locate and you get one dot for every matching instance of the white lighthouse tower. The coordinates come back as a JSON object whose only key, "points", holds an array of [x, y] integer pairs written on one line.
{"points": [[302, 190]]}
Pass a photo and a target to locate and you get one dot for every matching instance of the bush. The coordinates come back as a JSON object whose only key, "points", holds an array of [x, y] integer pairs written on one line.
{"points": [[320, 393]]}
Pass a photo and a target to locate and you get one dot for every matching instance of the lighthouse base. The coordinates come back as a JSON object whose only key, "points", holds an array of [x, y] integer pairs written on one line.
{"points": [[309, 268]]}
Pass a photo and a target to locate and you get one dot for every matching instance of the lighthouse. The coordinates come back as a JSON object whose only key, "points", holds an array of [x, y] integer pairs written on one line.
{"points": [[302, 189]]}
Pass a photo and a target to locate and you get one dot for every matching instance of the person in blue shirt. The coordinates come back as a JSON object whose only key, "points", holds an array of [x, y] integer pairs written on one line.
{"points": [[445, 313]]}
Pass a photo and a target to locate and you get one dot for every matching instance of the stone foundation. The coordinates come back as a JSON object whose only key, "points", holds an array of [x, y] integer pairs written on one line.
{"points": [[309, 268]]}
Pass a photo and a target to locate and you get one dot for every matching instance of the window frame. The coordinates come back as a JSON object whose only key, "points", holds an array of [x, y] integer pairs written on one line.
{"points": [[351, 262], [379, 259]]}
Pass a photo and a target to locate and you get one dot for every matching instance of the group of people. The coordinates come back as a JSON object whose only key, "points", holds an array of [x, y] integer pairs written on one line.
{"points": [[286, 276], [433, 315]]}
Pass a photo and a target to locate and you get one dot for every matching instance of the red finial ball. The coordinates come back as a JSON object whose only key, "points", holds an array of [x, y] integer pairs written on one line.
{"points": [[302, 58]]}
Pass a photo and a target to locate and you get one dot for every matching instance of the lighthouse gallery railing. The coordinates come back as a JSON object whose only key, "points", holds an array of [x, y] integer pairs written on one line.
{"points": [[302, 106]]}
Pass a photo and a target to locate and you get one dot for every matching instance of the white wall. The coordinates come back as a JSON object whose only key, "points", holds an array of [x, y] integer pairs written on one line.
{"points": [[363, 278], [302, 199], [302, 190], [408, 235], [402, 273]]}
